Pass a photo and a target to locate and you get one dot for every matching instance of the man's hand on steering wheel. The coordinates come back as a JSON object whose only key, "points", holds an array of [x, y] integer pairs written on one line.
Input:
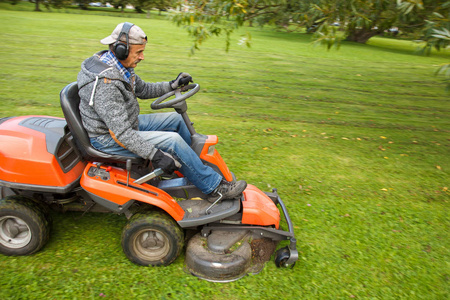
{"points": [[182, 80]]}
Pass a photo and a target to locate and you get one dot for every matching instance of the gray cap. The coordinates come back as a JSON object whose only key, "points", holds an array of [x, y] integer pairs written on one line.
{"points": [[136, 36]]}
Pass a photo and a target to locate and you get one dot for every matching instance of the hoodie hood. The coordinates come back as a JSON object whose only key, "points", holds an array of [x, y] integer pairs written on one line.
{"points": [[93, 68]]}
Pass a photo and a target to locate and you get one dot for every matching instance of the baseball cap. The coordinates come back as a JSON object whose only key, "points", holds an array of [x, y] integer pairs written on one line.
{"points": [[136, 36]]}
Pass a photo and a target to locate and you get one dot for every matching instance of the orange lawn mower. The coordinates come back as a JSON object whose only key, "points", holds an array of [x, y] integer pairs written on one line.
{"points": [[48, 163]]}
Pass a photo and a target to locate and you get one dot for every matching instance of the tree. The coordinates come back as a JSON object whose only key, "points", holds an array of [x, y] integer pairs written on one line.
{"points": [[83, 4], [436, 34], [436, 30], [119, 3], [204, 19], [358, 19], [49, 3], [141, 5], [331, 20]]}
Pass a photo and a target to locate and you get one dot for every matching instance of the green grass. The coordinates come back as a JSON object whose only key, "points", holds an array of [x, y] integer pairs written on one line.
{"points": [[355, 140]]}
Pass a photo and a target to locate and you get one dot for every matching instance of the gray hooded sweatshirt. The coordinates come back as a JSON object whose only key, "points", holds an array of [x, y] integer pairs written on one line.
{"points": [[109, 105]]}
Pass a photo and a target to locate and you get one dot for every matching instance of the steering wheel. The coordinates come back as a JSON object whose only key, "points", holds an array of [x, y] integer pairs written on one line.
{"points": [[191, 88]]}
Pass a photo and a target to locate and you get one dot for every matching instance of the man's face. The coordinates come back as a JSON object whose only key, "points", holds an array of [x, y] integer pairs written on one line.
{"points": [[135, 55]]}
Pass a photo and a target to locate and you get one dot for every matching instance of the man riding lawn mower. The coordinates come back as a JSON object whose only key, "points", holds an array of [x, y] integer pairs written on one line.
{"points": [[105, 157]]}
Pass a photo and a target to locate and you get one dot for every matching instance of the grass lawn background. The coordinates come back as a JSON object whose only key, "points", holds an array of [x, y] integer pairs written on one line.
{"points": [[356, 141]]}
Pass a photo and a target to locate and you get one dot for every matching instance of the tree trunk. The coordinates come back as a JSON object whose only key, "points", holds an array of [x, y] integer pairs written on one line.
{"points": [[36, 7], [361, 35]]}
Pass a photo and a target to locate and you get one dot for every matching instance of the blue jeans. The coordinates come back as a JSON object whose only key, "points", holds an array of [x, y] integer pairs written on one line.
{"points": [[168, 133]]}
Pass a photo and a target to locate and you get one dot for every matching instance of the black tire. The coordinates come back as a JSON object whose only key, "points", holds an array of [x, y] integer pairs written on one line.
{"points": [[152, 238], [24, 228], [281, 257]]}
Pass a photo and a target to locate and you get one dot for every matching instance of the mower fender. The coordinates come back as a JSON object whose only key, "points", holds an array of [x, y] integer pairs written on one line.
{"points": [[108, 187], [259, 209]]}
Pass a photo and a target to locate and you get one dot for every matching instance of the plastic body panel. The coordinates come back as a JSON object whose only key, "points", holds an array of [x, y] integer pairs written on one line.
{"points": [[111, 187], [211, 155], [33, 150], [259, 209]]}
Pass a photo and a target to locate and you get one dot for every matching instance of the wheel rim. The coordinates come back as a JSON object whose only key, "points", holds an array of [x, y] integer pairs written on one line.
{"points": [[14, 232], [151, 245]]}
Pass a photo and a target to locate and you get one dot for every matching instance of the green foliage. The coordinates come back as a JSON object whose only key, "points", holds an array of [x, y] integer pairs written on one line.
{"points": [[358, 20], [204, 19], [50, 3], [356, 141], [436, 33], [149, 4], [445, 71]]}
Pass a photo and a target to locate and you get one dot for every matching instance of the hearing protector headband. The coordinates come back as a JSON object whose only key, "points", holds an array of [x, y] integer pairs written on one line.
{"points": [[121, 49]]}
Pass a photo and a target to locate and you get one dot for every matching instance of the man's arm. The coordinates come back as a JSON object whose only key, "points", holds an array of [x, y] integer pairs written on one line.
{"points": [[148, 90]]}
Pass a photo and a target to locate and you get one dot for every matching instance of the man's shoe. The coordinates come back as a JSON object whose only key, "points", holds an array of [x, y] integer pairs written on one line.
{"points": [[227, 190]]}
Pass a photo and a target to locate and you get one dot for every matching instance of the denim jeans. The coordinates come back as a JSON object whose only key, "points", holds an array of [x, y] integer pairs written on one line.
{"points": [[168, 133]]}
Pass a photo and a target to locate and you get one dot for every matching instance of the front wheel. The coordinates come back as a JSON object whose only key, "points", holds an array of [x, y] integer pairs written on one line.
{"points": [[281, 257], [24, 228], [152, 238]]}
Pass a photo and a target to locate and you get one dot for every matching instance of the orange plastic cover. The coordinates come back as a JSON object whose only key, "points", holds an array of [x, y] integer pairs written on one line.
{"points": [[215, 157], [24, 157], [115, 190], [259, 209]]}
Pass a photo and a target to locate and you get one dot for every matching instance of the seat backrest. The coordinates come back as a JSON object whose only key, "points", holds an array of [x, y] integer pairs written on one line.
{"points": [[70, 102]]}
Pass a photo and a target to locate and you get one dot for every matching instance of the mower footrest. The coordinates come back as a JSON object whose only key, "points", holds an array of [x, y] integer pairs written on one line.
{"points": [[180, 188], [195, 211]]}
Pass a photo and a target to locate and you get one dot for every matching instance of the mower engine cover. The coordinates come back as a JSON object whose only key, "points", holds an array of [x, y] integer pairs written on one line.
{"points": [[37, 153]]}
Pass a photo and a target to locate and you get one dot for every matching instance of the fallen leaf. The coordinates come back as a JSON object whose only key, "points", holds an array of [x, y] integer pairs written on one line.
{"points": [[438, 167]]}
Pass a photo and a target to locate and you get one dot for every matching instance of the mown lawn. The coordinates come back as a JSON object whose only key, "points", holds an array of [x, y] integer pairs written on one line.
{"points": [[356, 141]]}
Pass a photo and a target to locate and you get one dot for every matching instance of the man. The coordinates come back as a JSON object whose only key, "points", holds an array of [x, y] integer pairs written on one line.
{"points": [[108, 87]]}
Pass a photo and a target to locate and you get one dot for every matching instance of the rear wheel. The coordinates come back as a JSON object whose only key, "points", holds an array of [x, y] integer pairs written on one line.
{"points": [[24, 229], [152, 238]]}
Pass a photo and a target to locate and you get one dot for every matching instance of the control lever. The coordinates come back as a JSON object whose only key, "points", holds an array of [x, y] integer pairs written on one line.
{"points": [[149, 176], [128, 167]]}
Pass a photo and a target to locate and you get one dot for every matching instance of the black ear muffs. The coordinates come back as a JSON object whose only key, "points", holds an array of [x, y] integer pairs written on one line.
{"points": [[121, 49]]}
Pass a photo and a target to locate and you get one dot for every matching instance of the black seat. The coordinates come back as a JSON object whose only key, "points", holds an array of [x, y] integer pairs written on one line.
{"points": [[70, 102]]}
